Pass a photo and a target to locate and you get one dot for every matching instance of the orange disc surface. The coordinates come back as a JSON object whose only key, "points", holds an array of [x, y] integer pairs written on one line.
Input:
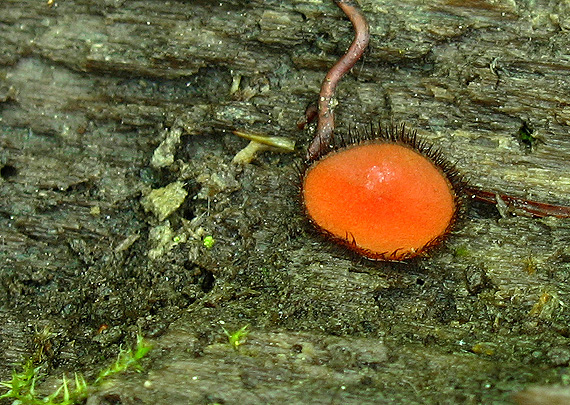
{"points": [[385, 200]]}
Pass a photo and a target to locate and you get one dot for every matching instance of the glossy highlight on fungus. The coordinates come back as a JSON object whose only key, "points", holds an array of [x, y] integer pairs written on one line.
{"points": [[389, 197]]}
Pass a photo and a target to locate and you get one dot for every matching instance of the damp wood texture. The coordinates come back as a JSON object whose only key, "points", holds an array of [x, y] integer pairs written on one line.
{"points": [[107, 107]]}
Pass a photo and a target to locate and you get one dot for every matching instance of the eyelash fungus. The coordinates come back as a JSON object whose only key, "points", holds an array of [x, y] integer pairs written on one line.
{"points": [[384, 193]]}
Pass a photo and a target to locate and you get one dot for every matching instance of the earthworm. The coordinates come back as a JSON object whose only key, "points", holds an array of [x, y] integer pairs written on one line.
{"points": [[535, 208], [325, 124]]}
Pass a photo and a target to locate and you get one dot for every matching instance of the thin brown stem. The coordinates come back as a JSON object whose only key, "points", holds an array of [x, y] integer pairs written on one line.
{"points": [[534, 208], [325, 125]]}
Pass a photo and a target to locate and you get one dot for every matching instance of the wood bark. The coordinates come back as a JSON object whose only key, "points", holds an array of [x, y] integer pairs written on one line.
{"points": [[90, 90]]}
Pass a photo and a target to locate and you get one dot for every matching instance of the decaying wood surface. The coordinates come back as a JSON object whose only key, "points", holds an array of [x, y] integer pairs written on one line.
{"points": [[102, 102]]}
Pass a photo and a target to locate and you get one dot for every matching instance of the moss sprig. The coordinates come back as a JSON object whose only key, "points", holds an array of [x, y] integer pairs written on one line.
{"points": [[22, 386]]}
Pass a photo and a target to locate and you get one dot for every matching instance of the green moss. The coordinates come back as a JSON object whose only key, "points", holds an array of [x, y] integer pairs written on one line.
{"points": [[22, 386], [208, 241], [237, 338], [526, 137], [127, 359], [462, 251]]}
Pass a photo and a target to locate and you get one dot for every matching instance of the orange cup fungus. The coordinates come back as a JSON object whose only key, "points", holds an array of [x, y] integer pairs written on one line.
{"points": [[388, 198]]}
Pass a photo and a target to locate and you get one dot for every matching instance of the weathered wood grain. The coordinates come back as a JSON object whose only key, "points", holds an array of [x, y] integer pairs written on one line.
{"points": [[88, 91]]}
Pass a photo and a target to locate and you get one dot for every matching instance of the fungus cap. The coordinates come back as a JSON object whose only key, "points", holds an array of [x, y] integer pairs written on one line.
{"points": [[384, 199]]}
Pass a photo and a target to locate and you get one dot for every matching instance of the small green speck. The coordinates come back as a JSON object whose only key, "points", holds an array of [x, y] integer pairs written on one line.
{"points": [[462, 251], [237, 338], [527, 138], [208, 241], [264, 271]]}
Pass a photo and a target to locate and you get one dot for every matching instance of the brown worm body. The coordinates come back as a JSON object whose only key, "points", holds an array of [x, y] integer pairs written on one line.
{"points": [[325, 125], [534, 208]]}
